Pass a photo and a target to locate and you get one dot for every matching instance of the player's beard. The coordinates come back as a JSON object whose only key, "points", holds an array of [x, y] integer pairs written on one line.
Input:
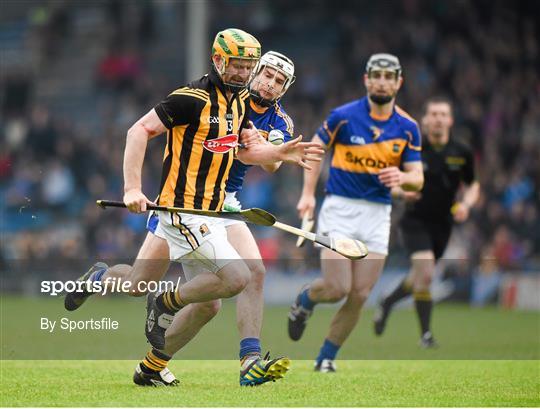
{"points": [[380, 99]]}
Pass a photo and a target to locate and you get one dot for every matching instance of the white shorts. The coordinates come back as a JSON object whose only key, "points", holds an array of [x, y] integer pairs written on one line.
{"points": [[358, 219], [231, 200], [198, 242]]}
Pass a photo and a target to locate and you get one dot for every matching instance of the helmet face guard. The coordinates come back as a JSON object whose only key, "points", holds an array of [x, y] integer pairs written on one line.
{"points": [[279, 64], [383, 62], [235, 45]]}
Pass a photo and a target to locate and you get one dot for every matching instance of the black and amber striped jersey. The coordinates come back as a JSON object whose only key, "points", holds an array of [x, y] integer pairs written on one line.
{"points": [[203, 127]]}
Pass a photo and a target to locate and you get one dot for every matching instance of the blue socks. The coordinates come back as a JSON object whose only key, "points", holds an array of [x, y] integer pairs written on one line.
{"points": [[329, 350], [96, 275], [250, 346], [305, 301]]}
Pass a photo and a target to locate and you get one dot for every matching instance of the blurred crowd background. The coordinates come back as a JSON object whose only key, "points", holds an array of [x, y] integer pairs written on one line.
{"points": [[76, 74]]}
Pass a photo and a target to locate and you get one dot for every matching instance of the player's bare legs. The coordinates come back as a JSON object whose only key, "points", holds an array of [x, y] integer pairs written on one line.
{"points": [[334, 285], [341, 278], [188, 322], [366, 272], [250, 302], [151, 264], [249, 312], [336, 281], [226, 283]]}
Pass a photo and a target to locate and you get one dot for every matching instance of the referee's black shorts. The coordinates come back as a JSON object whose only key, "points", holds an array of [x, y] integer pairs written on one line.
{"points": [[418, 235]]}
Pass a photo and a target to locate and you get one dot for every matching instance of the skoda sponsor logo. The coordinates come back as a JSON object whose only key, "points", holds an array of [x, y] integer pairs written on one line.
{"points": [[367, 162]]}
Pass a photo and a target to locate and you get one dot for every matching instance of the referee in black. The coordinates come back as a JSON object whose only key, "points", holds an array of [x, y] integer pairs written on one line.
{"points": [[427, 222]]}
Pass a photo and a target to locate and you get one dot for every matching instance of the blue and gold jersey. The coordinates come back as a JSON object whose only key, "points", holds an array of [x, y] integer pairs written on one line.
{"points": [[361, 145], [274, 117]]}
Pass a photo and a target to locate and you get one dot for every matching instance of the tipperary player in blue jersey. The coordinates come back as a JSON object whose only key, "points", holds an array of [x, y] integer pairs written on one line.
{"points": [[267, 114], [374, 146]]}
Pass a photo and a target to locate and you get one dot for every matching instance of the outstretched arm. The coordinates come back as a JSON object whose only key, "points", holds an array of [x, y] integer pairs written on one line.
{"points": [[294, 151], [306, 204], [278, 137], [137, 138], [249, 137], [273, 167]]}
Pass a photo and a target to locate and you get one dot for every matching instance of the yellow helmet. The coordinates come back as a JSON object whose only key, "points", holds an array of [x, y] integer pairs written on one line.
{"points": [[235, 43]]}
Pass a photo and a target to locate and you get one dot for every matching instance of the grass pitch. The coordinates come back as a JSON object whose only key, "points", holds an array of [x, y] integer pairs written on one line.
{"points": [[488, 357], [215, 383]]}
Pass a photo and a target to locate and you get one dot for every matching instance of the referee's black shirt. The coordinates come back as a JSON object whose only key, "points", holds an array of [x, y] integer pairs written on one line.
{"points": [[444, 170]]}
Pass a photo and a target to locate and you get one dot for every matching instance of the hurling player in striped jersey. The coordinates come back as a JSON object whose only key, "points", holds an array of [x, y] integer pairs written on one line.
{"points": [[273, 76]]}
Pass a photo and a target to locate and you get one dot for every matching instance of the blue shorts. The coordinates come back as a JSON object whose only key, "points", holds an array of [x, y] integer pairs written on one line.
{"points": [[152, 222]]}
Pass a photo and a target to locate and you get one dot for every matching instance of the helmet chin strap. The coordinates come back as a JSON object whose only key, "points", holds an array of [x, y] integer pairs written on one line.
{"points": [[259, 100], [233, 88]]}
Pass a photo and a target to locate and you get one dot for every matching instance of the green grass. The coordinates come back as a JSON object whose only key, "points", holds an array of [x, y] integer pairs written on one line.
{"points": [[215, 383], [488, 357], [463, 333]]}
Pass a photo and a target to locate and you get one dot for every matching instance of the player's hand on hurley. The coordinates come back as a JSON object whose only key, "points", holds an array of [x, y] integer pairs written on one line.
{"points": [[299, 152], [306, 206], [460, 211], [136, 201], [391, 177]]}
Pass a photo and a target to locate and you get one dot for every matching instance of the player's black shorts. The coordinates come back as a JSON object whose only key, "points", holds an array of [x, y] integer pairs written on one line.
{"points": [[420, 235]]}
